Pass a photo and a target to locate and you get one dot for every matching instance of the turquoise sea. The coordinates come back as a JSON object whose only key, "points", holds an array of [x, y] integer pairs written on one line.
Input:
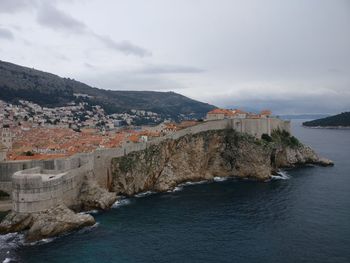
{"points": [[301, 216]]}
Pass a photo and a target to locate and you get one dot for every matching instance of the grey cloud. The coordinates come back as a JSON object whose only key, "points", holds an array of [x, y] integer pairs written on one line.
{"points": [[50, 16], [12, 6], [312, 104], [170, 69], [125, 46], [88, 65], [6, 34], [130, 81]]}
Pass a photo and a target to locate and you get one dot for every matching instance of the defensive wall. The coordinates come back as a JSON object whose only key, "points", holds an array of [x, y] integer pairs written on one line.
{"points": [[37, 189], [38, 185]]}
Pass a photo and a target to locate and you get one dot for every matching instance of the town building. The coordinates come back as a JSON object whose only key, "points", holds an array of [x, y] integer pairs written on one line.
{"points": [[219, 114], [3, 152], [6, 136]]}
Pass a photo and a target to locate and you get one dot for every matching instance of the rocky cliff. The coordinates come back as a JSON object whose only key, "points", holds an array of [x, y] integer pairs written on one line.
{"points": [[203, 156]]}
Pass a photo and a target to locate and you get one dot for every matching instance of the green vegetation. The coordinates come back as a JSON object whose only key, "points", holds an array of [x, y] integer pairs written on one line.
{"points": [[284, 137], [342, 119], [46, 89], [266, 137], [125, 163]]}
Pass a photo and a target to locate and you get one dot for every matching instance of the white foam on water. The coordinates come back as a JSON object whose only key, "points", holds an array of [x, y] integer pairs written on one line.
{"points": [[89, 212], [9, 260], [176, 189], [193, 183], [89, 228], [220, 179], [144, 194], [8, 243], [281, 175], [40, 242], [11, 240], [121, 202]]}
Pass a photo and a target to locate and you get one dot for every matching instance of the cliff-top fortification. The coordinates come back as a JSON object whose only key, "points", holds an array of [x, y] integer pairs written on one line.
{"points": [[244, 148]]}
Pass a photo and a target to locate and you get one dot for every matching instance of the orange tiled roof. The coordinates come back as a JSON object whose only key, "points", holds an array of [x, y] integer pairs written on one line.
{"points": [[265, 112], [221, 111], [134, 138], [238, 111]]}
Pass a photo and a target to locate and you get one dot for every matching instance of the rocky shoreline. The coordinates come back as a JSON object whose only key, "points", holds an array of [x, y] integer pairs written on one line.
{"points": [[160, 168], [206, 155]]}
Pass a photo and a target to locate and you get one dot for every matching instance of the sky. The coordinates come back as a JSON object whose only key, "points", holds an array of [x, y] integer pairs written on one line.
{"points": [[289, 56]]}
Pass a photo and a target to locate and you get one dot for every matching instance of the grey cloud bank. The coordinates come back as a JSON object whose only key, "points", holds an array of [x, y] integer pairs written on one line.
{"points": [[290, 56], [50, 16], [6, 34]]}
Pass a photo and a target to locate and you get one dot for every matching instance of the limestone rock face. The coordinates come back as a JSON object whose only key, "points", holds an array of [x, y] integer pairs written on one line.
{"points": [[14, 222], [56, 221], [289, 157], [49, 223], [204, 156], [93, 196]]}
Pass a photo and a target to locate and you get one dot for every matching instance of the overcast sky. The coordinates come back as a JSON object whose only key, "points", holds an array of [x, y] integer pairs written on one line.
{"points": [[290, 56]]}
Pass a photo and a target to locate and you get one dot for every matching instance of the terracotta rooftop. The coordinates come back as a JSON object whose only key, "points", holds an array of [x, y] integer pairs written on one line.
{"points": [[221, 111]]}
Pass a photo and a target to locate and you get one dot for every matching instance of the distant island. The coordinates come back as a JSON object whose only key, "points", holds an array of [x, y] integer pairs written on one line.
{"points": [[337, 121]]}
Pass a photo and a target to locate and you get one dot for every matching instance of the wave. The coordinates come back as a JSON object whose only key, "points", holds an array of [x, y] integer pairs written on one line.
{"points": [[9, 243], [11, 240], [220, 179], [281, 175], [41, 241], [189, 183], [9, 260], [121, 202], [89, 212], [175, 189], [145, 194], [88, 228], [193, 183]]}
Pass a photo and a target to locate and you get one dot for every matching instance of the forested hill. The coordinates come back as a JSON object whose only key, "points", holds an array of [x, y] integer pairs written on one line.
{"points": [[46, 89], [339, 120]]}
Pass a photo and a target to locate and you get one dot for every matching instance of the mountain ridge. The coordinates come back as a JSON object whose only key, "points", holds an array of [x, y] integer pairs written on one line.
{"points": [[50, 90]]}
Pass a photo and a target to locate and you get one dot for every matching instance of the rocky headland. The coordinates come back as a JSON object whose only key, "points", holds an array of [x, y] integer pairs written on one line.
{"points": [[60, 219], [161, 167], [203, 156]]}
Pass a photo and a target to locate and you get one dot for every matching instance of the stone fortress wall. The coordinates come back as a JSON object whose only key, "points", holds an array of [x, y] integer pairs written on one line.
{"points": [[38, 185]]}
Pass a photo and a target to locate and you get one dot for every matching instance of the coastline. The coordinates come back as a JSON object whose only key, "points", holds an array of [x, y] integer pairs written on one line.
{"points": [[328, 127], [206, 155]]}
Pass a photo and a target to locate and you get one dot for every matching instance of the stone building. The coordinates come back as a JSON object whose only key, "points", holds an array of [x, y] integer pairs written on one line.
{"points": [[6, 136], [3, 152], [219, 114]]}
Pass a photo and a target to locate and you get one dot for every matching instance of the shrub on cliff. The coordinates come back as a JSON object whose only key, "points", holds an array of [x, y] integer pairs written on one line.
{"points": [[284, 137], [266, 137]]}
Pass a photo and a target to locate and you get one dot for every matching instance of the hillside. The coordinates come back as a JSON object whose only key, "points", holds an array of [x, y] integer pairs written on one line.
{"points": [[342, 119], [46, 89]]}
